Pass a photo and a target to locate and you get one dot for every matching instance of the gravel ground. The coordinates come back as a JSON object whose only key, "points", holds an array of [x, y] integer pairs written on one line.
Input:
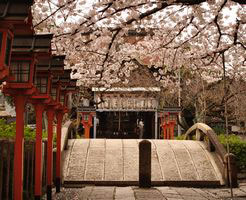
{"points": [[132, 193]]}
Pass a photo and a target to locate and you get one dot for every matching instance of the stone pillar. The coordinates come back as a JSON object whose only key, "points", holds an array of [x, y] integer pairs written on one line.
{"points": [[145, 164]]}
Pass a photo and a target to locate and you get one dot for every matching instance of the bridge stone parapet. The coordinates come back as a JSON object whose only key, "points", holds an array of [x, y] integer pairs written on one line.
{"points": [[66, 130], [225, 160]]}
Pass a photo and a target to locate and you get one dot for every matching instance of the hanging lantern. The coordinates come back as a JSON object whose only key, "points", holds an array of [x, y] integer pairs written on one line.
{"points": [[21, 70], [54, 92], [62, 97], [24, 56], [6, 38], [42, 85]]}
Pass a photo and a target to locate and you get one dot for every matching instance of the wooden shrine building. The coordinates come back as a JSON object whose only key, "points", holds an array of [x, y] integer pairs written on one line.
{"points": [[119, 115]]}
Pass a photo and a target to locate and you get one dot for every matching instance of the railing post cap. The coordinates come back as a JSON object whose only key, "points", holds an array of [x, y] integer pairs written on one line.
{"points": [[231, 156], [145, 141]]}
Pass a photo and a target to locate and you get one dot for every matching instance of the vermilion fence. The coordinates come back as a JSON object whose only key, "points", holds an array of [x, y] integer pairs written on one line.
{"points": [[6, 168]]}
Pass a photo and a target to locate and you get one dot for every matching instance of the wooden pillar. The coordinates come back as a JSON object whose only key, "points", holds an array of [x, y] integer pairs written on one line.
{"points": [[172, 124], [87, 130], [59, 117], [39, 108], [50, 116], [95, 127], [230, 170], [168, 127], [156, 125], [87, 124], [20, 102], [165, 131]]}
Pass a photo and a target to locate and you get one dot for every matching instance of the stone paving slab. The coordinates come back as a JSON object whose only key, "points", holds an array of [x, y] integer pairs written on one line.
{"points": [[117, 160], [136, 193]]}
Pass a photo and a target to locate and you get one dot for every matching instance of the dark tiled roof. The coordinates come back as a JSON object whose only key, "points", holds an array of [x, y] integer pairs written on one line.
{"points": [[36, 43], [14, 9], [57, 63], [73, 82], [66, 76], [54, 64]]}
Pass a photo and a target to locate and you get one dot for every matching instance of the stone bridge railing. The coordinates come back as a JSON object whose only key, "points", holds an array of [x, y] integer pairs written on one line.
{"points": [[226, 161], [67, 130]]}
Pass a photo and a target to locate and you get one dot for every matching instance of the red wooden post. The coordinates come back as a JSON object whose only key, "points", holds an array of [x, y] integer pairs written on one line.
{"points": [[20, 102], [168, 127], [172, 124], [164, 127], [164, 131], [50, 115], [87, 124], [39, 108], [59, 116]]}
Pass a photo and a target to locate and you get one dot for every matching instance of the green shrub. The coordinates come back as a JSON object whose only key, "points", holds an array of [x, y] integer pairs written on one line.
{"points": [[218, 130], [7, 130], [29, 133], [237, 146], [180, 137]]}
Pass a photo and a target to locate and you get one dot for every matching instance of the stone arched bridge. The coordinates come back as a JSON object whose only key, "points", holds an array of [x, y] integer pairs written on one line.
{"points": [[174, 162]]}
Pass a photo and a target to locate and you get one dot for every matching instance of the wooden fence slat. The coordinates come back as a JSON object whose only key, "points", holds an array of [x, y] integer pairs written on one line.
{"points": [[44, 165], [12, 169], [27, 171], [32, 169], [7, 167], [1, 167], [8, 171]]}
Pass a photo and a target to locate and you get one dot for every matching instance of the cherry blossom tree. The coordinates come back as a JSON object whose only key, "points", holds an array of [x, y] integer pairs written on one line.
{"points": [[105, 40]]}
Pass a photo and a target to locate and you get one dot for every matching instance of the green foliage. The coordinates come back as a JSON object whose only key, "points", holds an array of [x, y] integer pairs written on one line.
{"points": [[29, 133], [45, 134], [180, 137], [236, 144], [7, 130], [237, 147], [219, 130]]}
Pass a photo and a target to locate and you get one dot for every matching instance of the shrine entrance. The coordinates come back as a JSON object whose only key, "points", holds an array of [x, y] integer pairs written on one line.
{"points": [[123, 124]]}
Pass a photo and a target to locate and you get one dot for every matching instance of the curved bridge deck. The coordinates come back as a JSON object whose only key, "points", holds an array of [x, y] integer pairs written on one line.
{"points": [[115, 161]]}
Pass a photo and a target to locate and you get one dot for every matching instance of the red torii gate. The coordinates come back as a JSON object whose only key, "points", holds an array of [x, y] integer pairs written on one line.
{"points": [[169, 118]]}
